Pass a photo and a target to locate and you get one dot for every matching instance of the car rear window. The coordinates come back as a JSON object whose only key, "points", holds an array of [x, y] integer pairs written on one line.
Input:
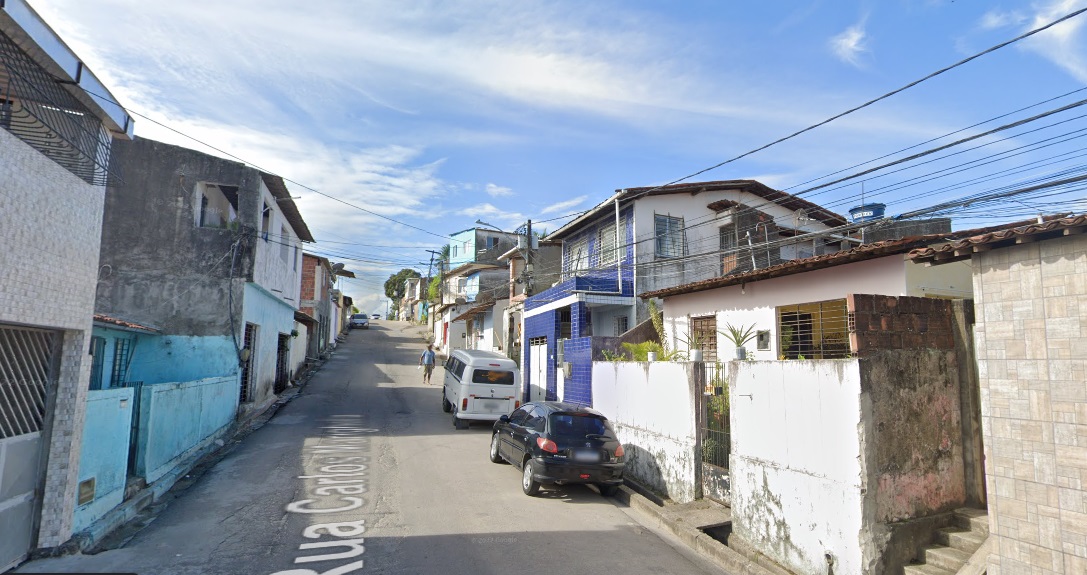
{"points": [[358, 316], [493, 376], [578, 424]]}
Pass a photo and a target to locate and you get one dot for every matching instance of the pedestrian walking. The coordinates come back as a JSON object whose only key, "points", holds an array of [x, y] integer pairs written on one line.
{"points": [[426, 359]]}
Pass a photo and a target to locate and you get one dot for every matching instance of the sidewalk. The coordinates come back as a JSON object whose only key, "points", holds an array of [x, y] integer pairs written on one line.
{"points": [[697, 524]]}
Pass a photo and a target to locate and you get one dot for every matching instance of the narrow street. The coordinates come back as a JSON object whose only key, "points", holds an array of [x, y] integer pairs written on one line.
{"points": [[366, 450]]}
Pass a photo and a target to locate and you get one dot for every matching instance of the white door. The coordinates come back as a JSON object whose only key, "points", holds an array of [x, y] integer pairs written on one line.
{"points": [[538, 365], [560, 383]]}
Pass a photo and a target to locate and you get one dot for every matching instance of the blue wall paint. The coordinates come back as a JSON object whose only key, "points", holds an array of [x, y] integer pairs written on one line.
{"points": [[465, 243], [159, 358], [273, 316], [176, 417], [104, 452]]}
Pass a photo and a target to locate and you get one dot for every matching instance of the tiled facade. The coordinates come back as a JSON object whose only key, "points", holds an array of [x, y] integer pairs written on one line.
{"points": [[1032, 357], [59, 220]]}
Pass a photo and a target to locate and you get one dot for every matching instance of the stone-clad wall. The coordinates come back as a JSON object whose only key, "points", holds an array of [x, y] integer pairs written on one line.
{"points": [[52, 229], [1031, 306]]}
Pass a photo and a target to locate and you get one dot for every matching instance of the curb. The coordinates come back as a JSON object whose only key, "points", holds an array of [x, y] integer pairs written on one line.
{"points": [[710, 548]]}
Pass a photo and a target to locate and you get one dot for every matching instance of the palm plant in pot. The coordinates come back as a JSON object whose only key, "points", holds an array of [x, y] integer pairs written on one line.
{"points": [[739, 336]]}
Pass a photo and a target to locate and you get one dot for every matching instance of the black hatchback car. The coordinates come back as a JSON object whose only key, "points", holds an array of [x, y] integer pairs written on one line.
{"points": [[559, 443]]}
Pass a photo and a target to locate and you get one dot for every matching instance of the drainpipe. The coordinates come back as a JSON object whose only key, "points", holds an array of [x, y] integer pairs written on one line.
{"points": [[766, 233], [619, 259], [752, 248]]}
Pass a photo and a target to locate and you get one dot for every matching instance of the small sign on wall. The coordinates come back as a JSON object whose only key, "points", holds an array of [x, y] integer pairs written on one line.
{"points": [[86, 491]]}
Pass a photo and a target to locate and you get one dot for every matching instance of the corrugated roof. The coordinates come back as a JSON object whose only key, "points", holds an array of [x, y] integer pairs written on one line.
{"points": [[755, 187], [1010, 234], [474, 310], [857, 254]]}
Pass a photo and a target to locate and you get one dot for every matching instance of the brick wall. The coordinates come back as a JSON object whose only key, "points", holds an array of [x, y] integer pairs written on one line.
{"points": [[51, 235], [887, 322], [1032, 361]]}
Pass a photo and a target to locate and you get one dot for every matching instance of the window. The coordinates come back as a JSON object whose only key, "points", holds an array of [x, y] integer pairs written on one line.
{"points": [[519, 417], [704, 334], [122, 356], [536, 419], [579, 425], [284, 244], [492, 242], [218, 206], [265, 221], [818, 330], [493, 376], [728, 244], [607, 252], [669, 236], [295, 258], [98, 357], [622, 325], [578, 256]]}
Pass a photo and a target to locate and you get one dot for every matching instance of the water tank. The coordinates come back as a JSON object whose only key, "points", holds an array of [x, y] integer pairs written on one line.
{"points": [[867, 212]]}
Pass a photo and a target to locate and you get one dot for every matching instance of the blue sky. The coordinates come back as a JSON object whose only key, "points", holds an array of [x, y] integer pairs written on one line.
{"points": [[439, 113]]}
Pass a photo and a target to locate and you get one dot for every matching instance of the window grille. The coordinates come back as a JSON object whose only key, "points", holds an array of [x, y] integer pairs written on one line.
{"points": [[565, 327], [670, 237], [728, 245], [607, 251], [578, 256], [122, 357], [622, 325], [816, 330], [27, 371]]}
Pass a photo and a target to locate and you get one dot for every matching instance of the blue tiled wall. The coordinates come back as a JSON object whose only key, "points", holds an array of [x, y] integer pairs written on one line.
{"points": [[578, 388], [543, 325]]}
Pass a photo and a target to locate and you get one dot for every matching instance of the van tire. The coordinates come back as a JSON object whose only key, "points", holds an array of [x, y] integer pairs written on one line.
{"points": [[459, 423], [496, 457], [446, 406], [608, 490]]}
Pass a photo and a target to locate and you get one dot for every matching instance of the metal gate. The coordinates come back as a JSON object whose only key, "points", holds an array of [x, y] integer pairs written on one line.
{"points": [[283, 355], [28, 366], [247, 362], [716, 434], [538, 366]]}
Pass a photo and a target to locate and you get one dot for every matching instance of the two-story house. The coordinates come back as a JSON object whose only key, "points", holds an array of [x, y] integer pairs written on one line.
{"points": [[55, 145], [650, 238]]}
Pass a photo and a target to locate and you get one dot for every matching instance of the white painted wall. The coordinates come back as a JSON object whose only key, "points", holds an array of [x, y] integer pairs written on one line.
{"points": [[652, 406], [280, 277], [298, 347], [756, 302], [795, 465]]}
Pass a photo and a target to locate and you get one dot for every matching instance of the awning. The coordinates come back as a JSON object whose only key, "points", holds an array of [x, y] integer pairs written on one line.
{"points": [[474, 310]]}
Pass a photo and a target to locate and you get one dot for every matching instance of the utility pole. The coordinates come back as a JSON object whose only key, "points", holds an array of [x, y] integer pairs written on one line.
{"points": [[528, 258]]}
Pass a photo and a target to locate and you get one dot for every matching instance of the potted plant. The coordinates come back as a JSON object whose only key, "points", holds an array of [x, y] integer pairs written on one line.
{"points": [[739, 336], [695, 342]]}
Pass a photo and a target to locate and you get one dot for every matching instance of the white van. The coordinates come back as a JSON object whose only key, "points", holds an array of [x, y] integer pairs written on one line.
{"points": [[480, 386]]}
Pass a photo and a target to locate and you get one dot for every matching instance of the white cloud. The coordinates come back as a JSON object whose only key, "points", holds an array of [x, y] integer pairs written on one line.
{"points": [[851, 45], [564, 206], [1063, 44], [495, 190], [994, 19]]}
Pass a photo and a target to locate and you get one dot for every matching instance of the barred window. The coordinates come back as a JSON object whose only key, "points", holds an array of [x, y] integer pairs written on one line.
{"points": [[607, 249], [817, 330], [578, 256]]}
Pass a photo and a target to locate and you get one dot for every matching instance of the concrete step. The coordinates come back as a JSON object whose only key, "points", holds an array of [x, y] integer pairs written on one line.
{"points": [[959, 538], [972, 519], [945, 557], [925, 570]]}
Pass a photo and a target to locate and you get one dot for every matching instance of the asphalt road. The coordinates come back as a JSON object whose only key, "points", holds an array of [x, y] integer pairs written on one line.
{"points": [[364, 473]]}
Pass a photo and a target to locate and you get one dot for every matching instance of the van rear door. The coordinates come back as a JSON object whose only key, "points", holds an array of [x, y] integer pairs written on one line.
{"points": [[492, 389]]}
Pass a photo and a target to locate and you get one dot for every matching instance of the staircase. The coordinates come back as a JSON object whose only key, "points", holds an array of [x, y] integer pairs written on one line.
{"points": [[952, 546]]}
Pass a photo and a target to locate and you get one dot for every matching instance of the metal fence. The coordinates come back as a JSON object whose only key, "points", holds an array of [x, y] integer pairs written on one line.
{"points": [[716, 432]]}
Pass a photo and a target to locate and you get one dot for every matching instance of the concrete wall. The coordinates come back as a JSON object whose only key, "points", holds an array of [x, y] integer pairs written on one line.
{"points": [[158, 267], [53, 222], [175, 418], [860, 459], [104, 452], [298, 347], [277, 265], [796, 462], [274, 317], [652, 406], [1031, 337], [160, 359]]}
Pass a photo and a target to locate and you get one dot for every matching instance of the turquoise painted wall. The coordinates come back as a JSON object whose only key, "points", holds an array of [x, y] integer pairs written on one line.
{"points": [[171, 358], [159, 358], [274, 316], [104, 452], [176, 417]]}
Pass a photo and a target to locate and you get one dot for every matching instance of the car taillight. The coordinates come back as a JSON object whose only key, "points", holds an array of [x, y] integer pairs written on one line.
{"points": [[517, 404], [618, 452], [547, 445], [464, 404]]}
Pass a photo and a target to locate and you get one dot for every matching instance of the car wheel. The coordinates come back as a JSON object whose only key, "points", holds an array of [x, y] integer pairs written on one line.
{"points": [[529, 485], [446, 406], [495, 456], [608, 490]]}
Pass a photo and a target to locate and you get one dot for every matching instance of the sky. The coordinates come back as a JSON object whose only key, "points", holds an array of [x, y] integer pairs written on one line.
{"points": [[430, 115]]}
